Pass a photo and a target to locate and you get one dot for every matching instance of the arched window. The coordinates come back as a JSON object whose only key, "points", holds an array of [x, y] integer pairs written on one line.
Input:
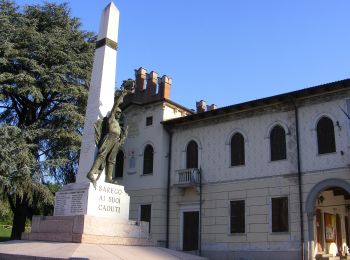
{"points": [[325, 136], [237, 150], [119, 165], [192, 155], [148, 160], [278, 143]]}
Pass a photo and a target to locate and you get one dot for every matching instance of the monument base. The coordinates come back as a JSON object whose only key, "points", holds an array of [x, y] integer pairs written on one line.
{"points": [[89, 229], [106, 201], [85, 214]]}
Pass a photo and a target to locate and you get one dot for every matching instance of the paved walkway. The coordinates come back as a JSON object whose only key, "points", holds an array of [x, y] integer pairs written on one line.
{"points": [[34, 250]]}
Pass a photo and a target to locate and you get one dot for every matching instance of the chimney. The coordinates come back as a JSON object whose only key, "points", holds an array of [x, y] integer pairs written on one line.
{"points": [[152, 79], [201, 106], [212, 107], [140, 75], [164, 84]]}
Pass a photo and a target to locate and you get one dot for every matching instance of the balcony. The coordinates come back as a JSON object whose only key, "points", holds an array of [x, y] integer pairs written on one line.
{"points": [[187, 178]]}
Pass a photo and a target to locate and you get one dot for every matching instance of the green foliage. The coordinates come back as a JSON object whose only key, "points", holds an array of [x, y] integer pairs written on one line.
{"points": [[6, 214], [19, 178], [5, 233], [45, 64]]}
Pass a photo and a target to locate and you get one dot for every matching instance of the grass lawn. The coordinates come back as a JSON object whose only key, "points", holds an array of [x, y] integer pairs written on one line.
{"points": [[5, 233]]}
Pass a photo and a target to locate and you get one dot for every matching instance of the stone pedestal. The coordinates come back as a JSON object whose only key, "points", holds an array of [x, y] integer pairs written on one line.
{"points": [[106, 201], [83, 214], [89, 229]]}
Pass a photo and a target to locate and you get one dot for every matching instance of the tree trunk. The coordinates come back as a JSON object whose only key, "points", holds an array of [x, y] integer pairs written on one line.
{"points": [[19, 219]]}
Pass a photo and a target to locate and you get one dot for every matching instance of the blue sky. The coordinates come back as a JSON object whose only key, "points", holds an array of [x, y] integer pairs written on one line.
{"points": [[228, 51]]}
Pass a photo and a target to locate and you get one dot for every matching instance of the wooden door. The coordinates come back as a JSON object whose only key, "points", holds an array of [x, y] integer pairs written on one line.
{"points": [[190, 230], [145, 215]]}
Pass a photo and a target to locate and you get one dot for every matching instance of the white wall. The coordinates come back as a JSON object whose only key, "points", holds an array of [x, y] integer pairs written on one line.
{"points": [[256, 182], [309, 115], [139, 136], [214, 143]]}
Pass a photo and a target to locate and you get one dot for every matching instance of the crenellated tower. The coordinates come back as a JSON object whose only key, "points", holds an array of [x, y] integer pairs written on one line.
{"points": [[149, 87]]}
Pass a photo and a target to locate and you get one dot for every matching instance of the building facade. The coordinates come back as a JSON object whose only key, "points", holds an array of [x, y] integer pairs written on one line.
{"points": [[268, 178]]}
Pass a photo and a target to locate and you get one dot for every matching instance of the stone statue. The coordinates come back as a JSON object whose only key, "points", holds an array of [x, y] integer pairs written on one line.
{"points": [[110, 135]]}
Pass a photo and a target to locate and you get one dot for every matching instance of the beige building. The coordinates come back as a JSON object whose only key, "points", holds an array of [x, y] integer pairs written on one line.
{"points": [[243, 180]]}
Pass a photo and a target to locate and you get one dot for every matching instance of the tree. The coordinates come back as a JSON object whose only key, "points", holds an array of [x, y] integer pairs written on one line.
{"points": [[20, 181], [45, 64]]}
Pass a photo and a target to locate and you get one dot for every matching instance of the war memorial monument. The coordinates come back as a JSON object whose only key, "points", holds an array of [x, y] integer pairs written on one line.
{"points": [[94, 209]]}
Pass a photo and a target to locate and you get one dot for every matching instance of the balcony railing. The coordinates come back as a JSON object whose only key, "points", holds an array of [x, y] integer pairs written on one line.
{"points": [[187, 177]]}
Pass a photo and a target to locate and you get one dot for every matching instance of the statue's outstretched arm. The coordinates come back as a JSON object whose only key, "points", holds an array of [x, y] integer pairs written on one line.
{"points": [[118, 100]]}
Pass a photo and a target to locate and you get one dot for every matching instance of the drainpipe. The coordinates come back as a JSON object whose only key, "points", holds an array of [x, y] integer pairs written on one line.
{"points": [[296, 113], [168, 190]]}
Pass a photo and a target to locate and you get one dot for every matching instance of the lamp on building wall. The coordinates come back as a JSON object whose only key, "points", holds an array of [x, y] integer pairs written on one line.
{"points": [[320, 200]]}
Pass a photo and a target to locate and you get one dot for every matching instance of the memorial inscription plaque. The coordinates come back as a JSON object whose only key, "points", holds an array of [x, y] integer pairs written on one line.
{"points": [[70, 203], [108, 200]]}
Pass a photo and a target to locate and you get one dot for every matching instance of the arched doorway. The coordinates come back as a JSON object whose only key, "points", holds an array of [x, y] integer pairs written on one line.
{"points": [[327, 207]]}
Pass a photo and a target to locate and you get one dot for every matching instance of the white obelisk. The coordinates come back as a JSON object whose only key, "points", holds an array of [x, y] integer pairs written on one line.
{"points": [[82, 198], [83, 213], [102, 87]]}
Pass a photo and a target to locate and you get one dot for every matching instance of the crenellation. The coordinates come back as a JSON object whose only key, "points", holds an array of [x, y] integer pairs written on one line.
{"points": [[140, 78], [164, 84], [149, 87], [201, 106]]}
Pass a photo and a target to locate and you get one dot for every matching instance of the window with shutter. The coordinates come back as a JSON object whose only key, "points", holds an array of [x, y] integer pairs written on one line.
{"points": [[278, 143], [192, 155], [148, 160], [237, 220], [279, 213], [325, 136], [149, 121], [237, 150]]}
